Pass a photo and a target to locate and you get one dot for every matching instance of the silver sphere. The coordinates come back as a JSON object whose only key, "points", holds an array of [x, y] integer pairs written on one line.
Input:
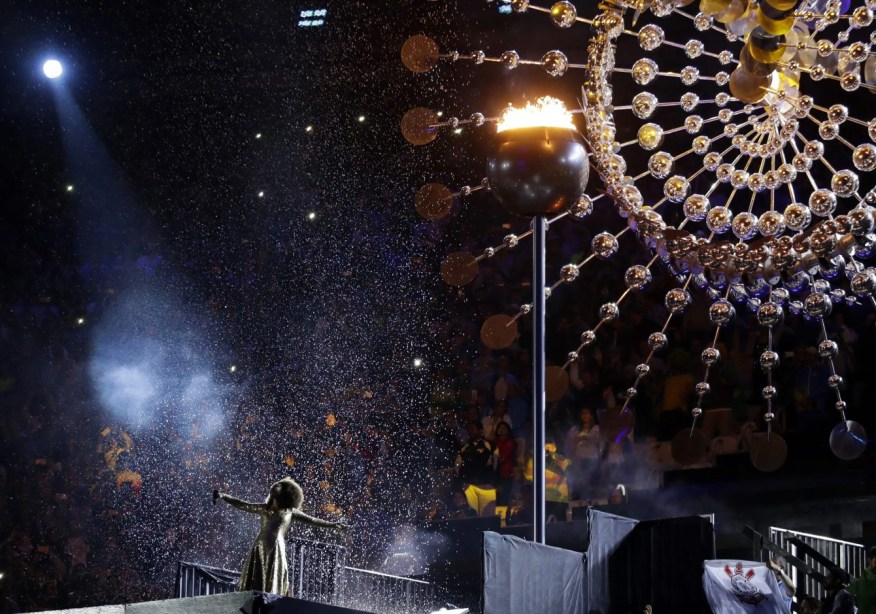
{"points": [[582, 207], [637, 277], [721, 312], [569, 273], [863, 283], [817, 305], [609, 311], [828, 349], [702, 388], [657, 341], [768, 392], [588, 337], [604, 245], [710, 356], [835, 381], [677, 300], [848, 440], [769, 359], [769, 314], [642, 370]]}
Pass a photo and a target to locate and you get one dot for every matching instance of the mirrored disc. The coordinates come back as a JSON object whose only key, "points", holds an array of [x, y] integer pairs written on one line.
{"points": [[433, 201], [499, 331], [417, 126], [616, 423], [556, 383], [420, 53], [848, 440], [689, 448], [770, 453], [458, 269]]}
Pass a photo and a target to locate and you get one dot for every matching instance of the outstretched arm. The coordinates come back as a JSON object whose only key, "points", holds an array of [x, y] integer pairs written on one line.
{"points": [[252, 508], [299, 516]]}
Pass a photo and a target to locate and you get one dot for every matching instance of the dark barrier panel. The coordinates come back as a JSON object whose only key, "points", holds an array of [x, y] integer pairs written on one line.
{"points": [[607, 534], [522, 577], [661, 563]]}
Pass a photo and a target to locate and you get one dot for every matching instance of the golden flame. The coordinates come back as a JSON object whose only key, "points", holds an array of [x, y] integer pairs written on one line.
{"points": [[547, 112]]}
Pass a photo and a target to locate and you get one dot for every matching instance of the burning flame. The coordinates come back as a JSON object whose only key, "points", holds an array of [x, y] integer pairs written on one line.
{"points": [[547, 112]]}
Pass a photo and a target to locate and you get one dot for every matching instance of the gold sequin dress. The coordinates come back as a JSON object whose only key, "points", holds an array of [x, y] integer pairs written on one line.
{"points": [[265, 568]]}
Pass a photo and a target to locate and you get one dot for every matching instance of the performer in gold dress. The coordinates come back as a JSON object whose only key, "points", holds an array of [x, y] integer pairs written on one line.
{"points": [[265, 568]]}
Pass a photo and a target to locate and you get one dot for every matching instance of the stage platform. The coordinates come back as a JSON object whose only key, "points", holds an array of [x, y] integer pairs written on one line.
{"points": [[227, 603]]}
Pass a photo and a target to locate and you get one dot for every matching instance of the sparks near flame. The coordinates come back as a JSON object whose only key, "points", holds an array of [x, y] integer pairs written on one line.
{"points": [[547, 112]]}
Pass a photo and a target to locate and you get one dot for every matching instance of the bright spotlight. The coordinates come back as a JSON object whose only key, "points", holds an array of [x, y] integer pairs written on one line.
{"points": [[53, 69], [361, 118], [418, 362], [70, 188], [311, 215]]}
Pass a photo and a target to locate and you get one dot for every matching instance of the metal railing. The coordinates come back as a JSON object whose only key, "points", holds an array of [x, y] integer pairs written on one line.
{"points": [[376, 592], [818, 551], [194, 580], [314, 569], [317, 573]]}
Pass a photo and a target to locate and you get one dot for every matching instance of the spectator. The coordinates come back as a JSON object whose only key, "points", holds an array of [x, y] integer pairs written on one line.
{"points": [[475, 467], [838, 599], [556, 486], [810, 605], [864, 588], [787, 586], [498, 416], [582, 449]]}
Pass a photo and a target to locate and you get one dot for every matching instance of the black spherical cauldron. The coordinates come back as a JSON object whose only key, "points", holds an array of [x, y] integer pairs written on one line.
{"points": [[538, 171]]}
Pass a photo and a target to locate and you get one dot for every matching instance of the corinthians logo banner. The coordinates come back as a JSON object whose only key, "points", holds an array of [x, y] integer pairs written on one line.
{"points": [[742, 587]]}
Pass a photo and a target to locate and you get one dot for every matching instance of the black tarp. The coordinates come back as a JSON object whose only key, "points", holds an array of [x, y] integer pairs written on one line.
{"points": [[607, 533], [522, 577]]}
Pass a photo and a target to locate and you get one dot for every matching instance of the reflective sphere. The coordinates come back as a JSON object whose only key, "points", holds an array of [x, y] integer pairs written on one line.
{"points": [[721, 312], [582, 207], [604, 245], [769, 314], [677, 300], [828, 349], [657, 341], [769, 359], [588, 337], [537, 171], [817, 305], [609, 311], [710, 356], [555, 63], [637, 277], [563, 14], [848, 440], [863, 283], [569, 273]]}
